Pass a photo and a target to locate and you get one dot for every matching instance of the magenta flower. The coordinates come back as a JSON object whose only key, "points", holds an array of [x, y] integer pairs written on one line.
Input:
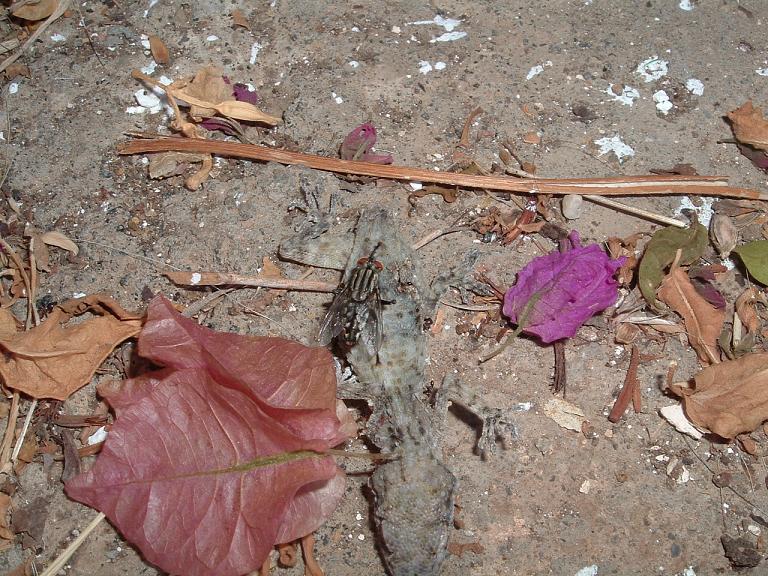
{"points": [[555, 294], [358, 143]]}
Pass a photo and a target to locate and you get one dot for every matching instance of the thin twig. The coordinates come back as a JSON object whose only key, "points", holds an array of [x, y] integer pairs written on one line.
{"points": [[464, 142], [731, 488], [156, 263], [20, 439], [471, 307], [60, 9], [627, 393], [225, 279], [419, 244], [24, 278], [195, 308], [618, 186], [10, 430], [635, 211], [62, 558]]}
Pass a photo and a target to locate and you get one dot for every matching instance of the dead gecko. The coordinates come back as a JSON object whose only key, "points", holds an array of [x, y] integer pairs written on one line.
{"points": [[414, 492]]}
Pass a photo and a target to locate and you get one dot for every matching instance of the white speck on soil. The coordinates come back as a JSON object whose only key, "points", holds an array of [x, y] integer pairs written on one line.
{"points": [[627, 96], [13, 87], [616, 145], [211, 38], [762, 71], [58, 37], [255, 49], [587, 571], [652, 69], [447, 23], [148, 100], [695, 86], [149, 69], [449, 37], [703, 211], [686, 5], [425, 67], [416, 185], [439, 65], [99, 436], [336, 98], [195, 278], [150, 6], [538, 69], [663, 103], [353, 64]]}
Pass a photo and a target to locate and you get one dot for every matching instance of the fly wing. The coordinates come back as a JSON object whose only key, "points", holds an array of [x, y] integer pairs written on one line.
{"points": [[371, 334], [335, 319]]}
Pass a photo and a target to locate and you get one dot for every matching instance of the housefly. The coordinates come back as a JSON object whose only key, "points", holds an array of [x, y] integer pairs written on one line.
{"points": [[355, 313]]}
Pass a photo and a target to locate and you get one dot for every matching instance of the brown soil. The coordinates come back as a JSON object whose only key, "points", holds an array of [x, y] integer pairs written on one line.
{"points": [[554, 502]]}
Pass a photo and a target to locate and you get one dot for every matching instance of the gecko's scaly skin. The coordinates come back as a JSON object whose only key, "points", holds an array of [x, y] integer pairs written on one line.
{"points": [[414, 492]]}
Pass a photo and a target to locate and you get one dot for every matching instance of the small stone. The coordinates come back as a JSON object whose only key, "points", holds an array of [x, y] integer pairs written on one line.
{"points": [[571, 206]]}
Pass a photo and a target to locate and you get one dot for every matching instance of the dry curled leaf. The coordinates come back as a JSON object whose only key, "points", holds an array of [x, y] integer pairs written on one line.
{"points": [[5, 529], [703, 322], [730, 398], [565, 414], [749, 126], [60, 240], [159, 50], [34, 11], [56, 358], [745, 306]]}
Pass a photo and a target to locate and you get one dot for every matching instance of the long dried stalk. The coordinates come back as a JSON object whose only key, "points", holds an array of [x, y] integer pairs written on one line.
{"points": [[224, 279], [621, 186]]}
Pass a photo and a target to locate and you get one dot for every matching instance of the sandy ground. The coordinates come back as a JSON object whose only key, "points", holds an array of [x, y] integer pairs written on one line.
{"points": [[554, 502]]}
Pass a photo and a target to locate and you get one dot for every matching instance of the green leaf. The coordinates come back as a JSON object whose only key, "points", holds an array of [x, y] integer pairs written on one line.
{"points": [[755, 258], [660, 253]]}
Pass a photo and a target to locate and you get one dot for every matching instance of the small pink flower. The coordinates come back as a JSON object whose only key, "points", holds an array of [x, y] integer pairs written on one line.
{"points": [[555, 294]]}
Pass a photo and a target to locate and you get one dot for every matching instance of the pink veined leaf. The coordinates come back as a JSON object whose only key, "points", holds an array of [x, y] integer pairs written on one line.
{"points": [[358, 144], [218, 456], [555, 294]]}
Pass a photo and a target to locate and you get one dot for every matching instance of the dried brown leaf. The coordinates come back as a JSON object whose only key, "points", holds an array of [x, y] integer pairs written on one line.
{"points": [[5, 528], [245, 111], [204, 91], [703, 322], [159, 50], [565, 414], [745, 306], [168, 164], [34, 11], [9, 325], [54, 359], [730, 398], [240, 19], [18, 70], [749, 126], [60, 240]]}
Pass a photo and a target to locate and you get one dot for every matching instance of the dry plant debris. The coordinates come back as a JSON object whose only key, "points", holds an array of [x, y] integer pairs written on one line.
{"points": [[54, 359]]}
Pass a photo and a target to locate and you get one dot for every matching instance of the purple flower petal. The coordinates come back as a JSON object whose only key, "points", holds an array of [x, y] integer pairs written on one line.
{"points": [[555, 294], [242, 93], [358, 143]]}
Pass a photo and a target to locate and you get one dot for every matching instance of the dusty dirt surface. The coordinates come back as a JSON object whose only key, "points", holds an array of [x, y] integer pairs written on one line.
{"points": [[553, 502]]}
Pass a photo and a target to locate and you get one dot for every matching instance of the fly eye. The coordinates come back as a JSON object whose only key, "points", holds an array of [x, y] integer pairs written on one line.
{"points": [[362, 261], [378, 265]]}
